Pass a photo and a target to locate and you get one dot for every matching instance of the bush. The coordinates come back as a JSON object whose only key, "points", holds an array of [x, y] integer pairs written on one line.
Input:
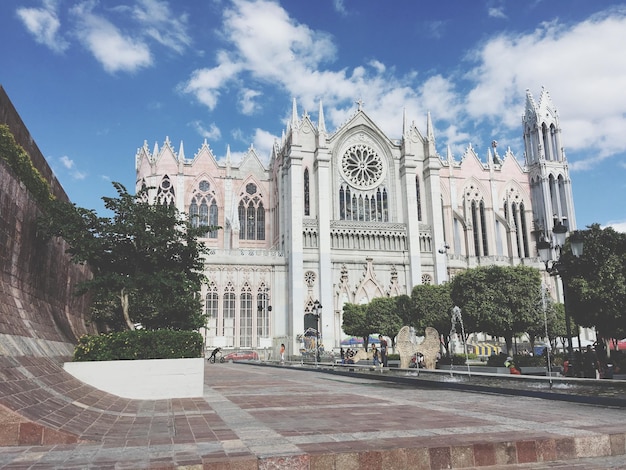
{"points": [[454, 359], [139, 344]]}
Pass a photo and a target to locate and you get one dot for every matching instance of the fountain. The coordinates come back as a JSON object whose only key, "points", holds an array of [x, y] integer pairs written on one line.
{"points": [[456, 317]]}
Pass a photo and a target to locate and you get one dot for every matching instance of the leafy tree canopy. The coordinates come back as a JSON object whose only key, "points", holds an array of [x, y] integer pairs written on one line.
{"points": [[433, 306], [382, 316], [499, 300], [146, 260], [596, 282], [354, 322]]}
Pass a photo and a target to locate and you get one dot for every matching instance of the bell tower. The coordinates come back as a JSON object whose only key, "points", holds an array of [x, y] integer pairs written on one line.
{"points": [[550, 182]]}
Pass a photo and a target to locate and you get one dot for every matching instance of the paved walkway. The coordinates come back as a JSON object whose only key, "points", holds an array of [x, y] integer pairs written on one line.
{"points": [[258, 417]]}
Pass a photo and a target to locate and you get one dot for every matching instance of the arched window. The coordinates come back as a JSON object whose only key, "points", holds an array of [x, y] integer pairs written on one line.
{"points": [[165, 192], [483, 227], [307, 209], [476, 229], [245, 317], [263, 313], [524, 229], [203, 208], [212, 307], [419, 198], [363, 206], [251, 214], [228, 329]]}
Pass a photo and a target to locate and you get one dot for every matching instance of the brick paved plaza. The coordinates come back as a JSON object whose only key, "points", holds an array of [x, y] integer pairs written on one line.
{"points": [[262, 417]]}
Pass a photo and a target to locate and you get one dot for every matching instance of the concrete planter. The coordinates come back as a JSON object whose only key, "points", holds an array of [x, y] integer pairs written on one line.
{"points": [[152, 379]]}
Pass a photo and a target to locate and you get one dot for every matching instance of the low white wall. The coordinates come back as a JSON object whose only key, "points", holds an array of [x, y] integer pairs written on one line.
{"points": [[151, 379]]}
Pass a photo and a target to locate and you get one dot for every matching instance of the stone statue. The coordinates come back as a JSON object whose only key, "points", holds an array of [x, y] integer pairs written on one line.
{"points": [[429, 347]]}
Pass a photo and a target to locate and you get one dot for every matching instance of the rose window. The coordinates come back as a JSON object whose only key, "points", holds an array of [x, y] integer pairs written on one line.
{"points": [[362, 167]]}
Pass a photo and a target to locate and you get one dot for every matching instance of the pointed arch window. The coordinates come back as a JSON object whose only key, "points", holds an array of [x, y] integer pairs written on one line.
{"points": [[251, 214], [483, 231], [211, 303], [476, 231], [307, 209], [419, 198], [165, 192], [203, 209], [245, 317], [144, 192], [229, 307], [263, 312], [363, 206]]}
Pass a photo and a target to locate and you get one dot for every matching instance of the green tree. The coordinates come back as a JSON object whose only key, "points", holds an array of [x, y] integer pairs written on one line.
{"points": [[355, 322], [501, 301], [146, 260], [406, 310], [596, 282], [382, 316], [433, 306]]}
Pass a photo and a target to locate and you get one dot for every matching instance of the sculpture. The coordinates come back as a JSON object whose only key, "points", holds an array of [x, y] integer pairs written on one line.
{"points": [[429, 347]]}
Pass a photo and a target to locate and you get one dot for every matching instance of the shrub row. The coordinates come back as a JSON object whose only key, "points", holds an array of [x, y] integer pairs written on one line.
{"points": [[139, 344]]}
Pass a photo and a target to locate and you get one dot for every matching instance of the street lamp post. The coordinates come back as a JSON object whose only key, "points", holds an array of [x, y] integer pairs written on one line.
{"points": [[555, 266], [317, 309]]}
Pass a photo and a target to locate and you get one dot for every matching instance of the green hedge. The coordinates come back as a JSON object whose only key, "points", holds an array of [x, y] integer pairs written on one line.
{"points": [[139, 344]]}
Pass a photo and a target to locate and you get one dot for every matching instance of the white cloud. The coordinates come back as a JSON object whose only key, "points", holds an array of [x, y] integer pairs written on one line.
{"points": [[264, 46], [263, 143], [247, 102], [618, 226], [159, 23], [581, 65], [213, 132], [340, 7], [43, 23], [70, 165], [99, 30], [496, 12], [114, 50], [268, 47]]}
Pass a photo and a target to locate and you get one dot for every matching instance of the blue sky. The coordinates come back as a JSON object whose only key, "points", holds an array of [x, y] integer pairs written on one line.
{"points": [[93, 79]]}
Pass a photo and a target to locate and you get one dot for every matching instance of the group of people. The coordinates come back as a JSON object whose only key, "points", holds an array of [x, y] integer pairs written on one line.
{"points": [[379, 354]]}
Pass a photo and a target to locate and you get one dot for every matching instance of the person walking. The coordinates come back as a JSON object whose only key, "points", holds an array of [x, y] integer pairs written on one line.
{"points": [[375, 359], [282, 353], [383, 351]]}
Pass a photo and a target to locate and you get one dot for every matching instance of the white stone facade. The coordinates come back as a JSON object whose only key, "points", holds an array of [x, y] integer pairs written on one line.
{"points": [[352, 215]]}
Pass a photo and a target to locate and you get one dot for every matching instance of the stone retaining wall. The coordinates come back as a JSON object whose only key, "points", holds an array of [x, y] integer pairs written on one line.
{"points": [[39, 315]]}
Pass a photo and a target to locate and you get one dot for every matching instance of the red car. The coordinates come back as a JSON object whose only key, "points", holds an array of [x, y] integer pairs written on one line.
{"points": [[243, 355]]}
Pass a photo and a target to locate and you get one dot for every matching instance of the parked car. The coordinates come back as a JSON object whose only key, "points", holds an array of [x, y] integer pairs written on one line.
{"points": [[242, 355]]}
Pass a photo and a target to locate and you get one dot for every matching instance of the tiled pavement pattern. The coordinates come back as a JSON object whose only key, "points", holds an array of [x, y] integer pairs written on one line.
{"points": [[253, 417]]}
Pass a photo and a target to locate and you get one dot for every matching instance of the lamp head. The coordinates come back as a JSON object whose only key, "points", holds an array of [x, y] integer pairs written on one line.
{"points": [[576, 242]]}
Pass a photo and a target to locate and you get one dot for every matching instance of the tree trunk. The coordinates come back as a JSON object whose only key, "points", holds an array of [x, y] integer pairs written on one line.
{"points": [[509, 344], [124, 302]]}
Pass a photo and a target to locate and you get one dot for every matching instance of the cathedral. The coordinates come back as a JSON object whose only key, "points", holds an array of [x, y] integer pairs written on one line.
{"points": [[349, 215]]}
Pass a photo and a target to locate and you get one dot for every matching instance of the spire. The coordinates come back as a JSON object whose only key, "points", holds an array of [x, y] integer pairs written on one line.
{"points": [[181, 152], [405, 128], [155, 152], [449, 156], [294, 114], [321, 124], [429, 128], [531, 107]]}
